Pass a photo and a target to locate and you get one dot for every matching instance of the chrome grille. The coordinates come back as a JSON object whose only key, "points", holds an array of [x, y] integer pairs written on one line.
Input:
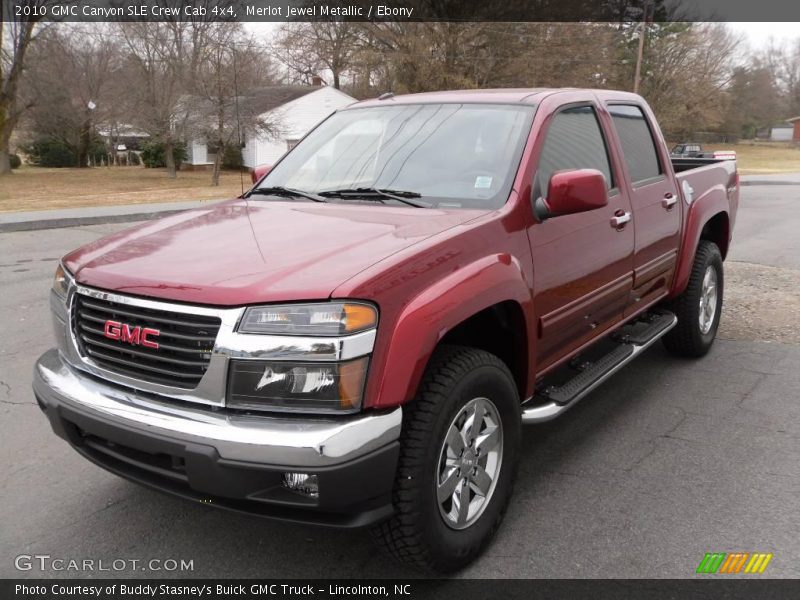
{"points": [[185, 341]]}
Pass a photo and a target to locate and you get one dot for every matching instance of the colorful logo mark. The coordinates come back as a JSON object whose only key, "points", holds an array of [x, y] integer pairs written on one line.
{"points": [[734, 562]]}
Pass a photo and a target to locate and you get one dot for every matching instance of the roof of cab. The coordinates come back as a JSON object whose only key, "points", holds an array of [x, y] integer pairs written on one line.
{"points": [[493, 96], [488, 96]]}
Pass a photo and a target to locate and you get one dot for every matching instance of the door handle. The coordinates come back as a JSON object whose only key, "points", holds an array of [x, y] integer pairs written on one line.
{"points": [[619, 220], [669, 200]]}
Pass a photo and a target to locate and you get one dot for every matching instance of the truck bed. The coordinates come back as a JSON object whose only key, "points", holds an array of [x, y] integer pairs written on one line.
{"points": [[685, 164], [706, 173]]}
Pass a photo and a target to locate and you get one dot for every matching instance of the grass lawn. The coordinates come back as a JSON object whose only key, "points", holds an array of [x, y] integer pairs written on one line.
{"points": [[35, 188], [763, 157]]}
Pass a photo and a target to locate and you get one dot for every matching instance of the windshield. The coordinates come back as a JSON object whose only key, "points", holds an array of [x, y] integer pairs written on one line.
{"points": [[452, 155]]}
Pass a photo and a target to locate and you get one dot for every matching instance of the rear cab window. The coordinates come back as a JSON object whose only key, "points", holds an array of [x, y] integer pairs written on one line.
{"points": [[638, 144]]}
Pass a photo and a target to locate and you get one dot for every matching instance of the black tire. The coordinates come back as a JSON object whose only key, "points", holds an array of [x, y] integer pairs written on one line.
{"points": [[417, 534], [687, 338]]}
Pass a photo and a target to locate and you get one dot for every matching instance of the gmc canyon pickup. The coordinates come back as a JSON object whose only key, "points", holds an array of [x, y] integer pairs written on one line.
{"points": [[359, 338]]}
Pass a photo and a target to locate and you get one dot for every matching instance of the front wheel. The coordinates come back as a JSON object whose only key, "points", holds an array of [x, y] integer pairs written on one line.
{"points": [[699, 307], [458, 460]]}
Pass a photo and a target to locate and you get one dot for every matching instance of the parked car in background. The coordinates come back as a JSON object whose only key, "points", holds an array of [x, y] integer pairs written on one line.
{"points": [[358, 340], [690, 150], [697, 151], [684, 157]]}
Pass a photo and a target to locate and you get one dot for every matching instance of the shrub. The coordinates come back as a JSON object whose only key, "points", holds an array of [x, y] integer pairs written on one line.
{"points": [[232, 158], [153, 154], [51, 152], [15, 161], [133, 159], [47, 152], [97, 151]]}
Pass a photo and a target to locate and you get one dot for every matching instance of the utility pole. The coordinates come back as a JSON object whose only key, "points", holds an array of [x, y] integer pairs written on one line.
{"points": [[637, 78]]}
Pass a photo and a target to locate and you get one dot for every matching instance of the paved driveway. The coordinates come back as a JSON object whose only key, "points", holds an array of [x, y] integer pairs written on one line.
{"points": [[668, 460]]}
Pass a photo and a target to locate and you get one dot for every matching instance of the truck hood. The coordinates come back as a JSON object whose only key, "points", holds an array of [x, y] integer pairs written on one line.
{"points": [[247, 251]]}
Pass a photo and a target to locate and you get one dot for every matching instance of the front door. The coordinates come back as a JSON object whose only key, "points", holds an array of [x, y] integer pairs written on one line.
{"points": [[583, 269]]}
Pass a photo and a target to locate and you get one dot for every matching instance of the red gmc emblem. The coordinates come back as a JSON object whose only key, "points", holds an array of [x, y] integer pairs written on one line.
{"points": [[136, 336]]}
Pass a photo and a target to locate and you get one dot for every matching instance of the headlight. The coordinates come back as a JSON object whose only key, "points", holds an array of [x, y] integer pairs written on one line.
{"points": [[297, 386], [328, 318], [61, 282]]}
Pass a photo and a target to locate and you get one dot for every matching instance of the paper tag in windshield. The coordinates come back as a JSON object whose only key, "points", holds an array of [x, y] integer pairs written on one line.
{"points": [[483, 182]]}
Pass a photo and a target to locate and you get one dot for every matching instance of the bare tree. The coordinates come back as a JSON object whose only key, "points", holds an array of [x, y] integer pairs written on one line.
{"points": [[16, 38], [410, 57], [550, 54], [161, 57], [754, 100], [308, 49], [686, 72], [77, 69], [232, 66], [783, 63], [791, 77], [415, 57]]}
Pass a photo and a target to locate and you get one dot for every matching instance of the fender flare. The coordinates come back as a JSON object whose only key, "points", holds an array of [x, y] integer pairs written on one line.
{"points": [[435, 311], [704, 208]]}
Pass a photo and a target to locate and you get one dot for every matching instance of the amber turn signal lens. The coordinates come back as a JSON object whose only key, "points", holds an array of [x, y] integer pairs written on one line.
{"points": [[351, 383], [358, 317]]}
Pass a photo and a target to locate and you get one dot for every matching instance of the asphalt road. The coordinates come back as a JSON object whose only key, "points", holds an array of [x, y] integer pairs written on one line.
{"points": [[667, 461]]}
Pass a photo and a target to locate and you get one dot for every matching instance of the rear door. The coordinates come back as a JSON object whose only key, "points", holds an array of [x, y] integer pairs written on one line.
{"points": [[582, 273], [654, 199]]}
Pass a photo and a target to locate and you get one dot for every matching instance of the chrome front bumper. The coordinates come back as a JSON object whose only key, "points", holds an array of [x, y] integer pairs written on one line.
{"points": [[271, 440]]}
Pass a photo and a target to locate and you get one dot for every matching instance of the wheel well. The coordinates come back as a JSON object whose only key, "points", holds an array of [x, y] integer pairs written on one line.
{"points": [[499, 329], [717, 230]]}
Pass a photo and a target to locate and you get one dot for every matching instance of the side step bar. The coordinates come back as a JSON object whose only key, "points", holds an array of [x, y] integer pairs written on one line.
{"points": [[630, 345]]}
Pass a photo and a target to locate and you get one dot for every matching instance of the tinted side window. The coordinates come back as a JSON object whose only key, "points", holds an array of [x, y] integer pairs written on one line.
{"points": [[638, 145], [574, 141]]}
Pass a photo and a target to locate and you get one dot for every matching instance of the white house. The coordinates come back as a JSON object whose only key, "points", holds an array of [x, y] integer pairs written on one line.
{"points": [[296, 108]]}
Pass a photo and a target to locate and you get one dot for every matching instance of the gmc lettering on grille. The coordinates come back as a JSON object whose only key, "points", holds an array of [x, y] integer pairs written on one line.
{"points": [[136, 336]]}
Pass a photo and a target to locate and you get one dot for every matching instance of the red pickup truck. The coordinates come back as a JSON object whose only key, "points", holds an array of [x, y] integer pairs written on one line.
{"points": [[359, 339]]}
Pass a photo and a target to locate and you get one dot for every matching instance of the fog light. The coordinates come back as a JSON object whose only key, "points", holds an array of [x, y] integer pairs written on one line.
{"points": [[302, 483]]}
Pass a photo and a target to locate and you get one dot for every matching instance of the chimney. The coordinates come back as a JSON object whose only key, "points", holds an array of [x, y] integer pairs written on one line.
{"points": [[316, 80]]}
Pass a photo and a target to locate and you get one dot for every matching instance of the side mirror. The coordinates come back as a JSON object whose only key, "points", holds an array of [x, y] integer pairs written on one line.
{"points": [[259, 172], [571, 192]]}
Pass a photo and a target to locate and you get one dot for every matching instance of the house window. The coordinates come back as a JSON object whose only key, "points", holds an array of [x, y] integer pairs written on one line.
{"points": [[291, 144]]}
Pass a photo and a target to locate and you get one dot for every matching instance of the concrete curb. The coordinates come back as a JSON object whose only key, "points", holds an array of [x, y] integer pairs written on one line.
{"points": [[77, 217], [60, 223], [750, 182]]}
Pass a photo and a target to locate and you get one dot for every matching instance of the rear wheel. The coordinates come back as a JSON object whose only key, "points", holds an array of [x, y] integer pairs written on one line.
{"points": [[458, 461], [699, 307]]}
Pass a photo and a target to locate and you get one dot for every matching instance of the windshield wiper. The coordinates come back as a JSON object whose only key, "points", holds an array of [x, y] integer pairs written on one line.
{"points": [[368, 193], [287, 192]]}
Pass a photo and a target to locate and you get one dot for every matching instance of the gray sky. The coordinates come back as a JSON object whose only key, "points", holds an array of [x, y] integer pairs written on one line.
{"points": [[758, 34]]}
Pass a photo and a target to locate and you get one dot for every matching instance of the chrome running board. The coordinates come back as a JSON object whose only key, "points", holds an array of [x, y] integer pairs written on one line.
{"points": [[558, 400]]}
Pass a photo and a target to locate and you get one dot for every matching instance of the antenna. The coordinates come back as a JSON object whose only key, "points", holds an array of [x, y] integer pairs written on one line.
{"points": [[238, 120]]}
